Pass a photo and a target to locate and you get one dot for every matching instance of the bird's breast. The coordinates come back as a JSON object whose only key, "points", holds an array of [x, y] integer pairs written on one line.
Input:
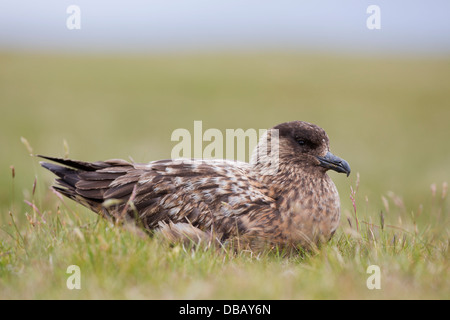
{"points": [[310, 212]]}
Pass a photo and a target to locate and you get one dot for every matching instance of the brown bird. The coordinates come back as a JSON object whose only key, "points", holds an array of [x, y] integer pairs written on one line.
{"points": [[283, 198]]}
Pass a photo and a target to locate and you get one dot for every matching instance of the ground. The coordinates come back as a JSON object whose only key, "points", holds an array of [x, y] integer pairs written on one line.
{"points": [[387, 116]]}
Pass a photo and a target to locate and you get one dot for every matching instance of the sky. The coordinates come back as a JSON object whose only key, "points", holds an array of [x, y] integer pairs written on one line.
{"points": [[406, 26]]}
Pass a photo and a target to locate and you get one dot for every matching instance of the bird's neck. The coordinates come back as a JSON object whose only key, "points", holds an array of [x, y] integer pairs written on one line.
{"points": [[296, 187], [292, 178]]}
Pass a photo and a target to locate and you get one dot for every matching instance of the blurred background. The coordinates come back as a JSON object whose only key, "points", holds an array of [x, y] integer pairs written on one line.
{"points": [[135, 71]]}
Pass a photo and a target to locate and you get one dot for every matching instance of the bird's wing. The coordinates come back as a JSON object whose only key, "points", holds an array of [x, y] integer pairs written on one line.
{"points": [[204, 193], [207, 194]]}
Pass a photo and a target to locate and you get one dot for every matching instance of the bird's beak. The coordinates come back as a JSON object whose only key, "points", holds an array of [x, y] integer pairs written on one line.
{"points": [[330, 161]]}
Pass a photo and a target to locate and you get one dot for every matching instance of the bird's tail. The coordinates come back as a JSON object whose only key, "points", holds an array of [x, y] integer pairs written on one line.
{"points": [[85, 182]]}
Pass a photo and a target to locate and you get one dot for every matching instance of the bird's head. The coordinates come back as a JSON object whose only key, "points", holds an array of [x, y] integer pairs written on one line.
{"points": [[307, 145]]}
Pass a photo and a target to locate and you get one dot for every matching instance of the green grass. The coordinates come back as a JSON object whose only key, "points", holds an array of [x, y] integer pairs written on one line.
{"points": [[388, 117], [118, 262]]}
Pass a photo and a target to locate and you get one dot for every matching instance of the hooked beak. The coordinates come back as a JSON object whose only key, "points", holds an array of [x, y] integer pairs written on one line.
{"points": [[330, 161]]}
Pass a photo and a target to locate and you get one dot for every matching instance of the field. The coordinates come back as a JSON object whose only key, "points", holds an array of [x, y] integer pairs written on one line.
{"points": [[387, 116]]}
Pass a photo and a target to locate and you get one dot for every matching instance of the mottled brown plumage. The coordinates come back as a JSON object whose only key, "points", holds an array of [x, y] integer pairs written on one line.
{"points": [[250, 204]]}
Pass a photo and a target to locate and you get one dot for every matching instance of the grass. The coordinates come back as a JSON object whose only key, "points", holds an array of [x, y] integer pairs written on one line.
{"points": [[386, 116], [122, 263]]}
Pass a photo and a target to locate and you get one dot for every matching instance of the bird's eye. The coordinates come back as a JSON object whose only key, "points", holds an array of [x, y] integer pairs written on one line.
{"points": [[301, 142]]}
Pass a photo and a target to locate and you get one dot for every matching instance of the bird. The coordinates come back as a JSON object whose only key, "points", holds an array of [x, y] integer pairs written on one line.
{"points": [[282, 198]]}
